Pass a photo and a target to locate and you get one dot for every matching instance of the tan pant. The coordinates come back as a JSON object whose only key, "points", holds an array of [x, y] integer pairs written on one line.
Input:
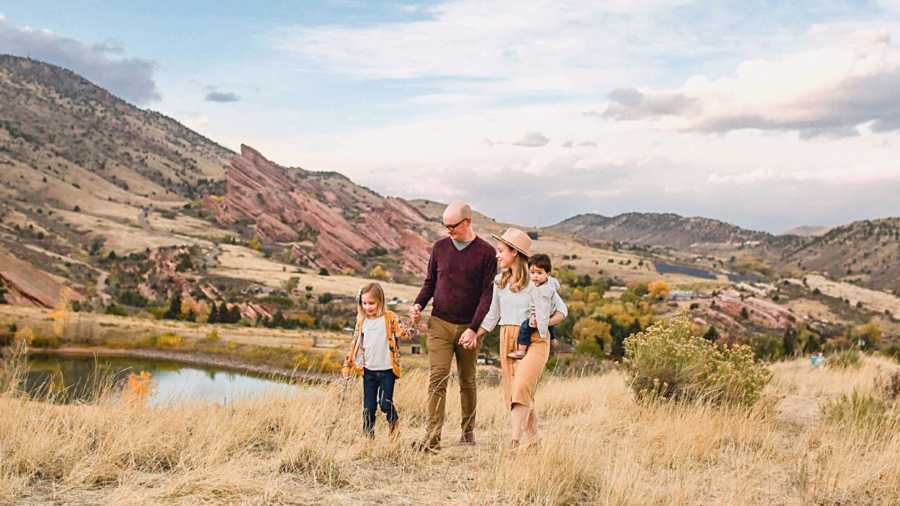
{"points": [[443, 344]]}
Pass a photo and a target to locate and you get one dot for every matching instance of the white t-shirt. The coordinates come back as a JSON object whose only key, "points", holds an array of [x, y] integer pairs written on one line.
{"points": [[376, 352]]}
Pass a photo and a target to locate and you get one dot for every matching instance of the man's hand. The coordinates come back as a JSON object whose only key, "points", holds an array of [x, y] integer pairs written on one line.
{"points": [[414, 313], [468, 339]]}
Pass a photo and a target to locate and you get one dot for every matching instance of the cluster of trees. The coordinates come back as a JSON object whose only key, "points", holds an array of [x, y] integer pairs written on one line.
{"points": [[223, 314], [598, 326], [803, 340], [278, 320]]}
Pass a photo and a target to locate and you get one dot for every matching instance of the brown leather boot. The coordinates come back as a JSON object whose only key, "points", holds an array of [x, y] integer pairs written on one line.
{"points": [[467, 438]]}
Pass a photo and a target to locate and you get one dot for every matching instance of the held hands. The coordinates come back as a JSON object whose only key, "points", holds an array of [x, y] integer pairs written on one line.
{"points": [[414, 313], [469, 339]]}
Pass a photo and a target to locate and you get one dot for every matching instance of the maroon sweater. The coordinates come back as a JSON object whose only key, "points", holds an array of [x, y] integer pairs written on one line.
{"points": [[461, 282]]}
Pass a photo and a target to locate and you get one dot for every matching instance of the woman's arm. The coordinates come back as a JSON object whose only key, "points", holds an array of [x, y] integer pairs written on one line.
{"points": [[493, 315]]}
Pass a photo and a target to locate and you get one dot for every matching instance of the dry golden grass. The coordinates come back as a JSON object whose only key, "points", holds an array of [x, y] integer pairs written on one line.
{"points": [[599, 447], [244, 263], [874, 300]]}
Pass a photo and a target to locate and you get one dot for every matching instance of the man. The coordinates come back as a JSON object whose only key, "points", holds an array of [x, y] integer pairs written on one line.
{"points": [[460, 279]]}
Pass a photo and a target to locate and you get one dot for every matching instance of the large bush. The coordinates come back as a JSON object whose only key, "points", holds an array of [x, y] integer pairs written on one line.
{"points": [[670, 360]]}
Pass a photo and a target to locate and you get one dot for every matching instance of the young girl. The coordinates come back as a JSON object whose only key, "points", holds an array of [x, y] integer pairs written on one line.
{"points": [[375, 353]]}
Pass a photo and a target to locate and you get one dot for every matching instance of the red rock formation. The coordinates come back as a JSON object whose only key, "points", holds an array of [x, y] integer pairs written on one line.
{"points": [[28, 286], [759, 311], [329, 221]]}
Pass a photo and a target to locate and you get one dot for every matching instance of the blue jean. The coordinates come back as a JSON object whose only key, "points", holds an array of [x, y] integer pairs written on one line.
{"points": [[525, 332], [378, 391]]}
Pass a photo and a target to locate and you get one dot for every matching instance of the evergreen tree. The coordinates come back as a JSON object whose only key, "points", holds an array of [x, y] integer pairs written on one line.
{"points": [[234, 314], [278, 320], [789, 342], [213, 314], [174, 312]]}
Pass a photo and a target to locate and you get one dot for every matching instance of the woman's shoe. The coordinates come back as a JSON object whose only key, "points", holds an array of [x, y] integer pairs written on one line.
{"points": [[516, 355]]}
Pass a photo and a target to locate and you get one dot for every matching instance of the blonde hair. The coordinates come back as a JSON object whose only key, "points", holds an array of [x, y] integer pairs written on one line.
{"points": [[516, 276], [374, 289]]}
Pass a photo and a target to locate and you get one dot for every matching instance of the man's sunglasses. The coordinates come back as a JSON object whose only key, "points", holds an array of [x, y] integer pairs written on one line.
{"points": [[453, 227]]}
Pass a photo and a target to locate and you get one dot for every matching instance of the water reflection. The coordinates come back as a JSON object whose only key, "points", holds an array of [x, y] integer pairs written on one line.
{"points": [[81, 379]]}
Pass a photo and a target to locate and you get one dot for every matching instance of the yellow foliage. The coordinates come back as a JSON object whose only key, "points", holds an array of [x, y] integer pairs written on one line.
{"points": [[589, 328], [25, 334], [611, 310], [870, 333], [256, 243], [658, 289], [576, 307], [138, 387], [379, 272], [169, 340], [60, 316], [306, 319], [577, 294]]}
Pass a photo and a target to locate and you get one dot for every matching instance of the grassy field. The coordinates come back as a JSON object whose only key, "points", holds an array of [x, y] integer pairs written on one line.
{"points": [[599, 447]]}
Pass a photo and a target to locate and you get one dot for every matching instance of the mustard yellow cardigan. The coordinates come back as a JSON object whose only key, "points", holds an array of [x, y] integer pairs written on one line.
{"points": [[395, 331]]}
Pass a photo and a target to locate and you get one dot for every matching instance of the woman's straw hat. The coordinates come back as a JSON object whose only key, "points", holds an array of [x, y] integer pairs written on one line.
{"points": [[515, 239]]}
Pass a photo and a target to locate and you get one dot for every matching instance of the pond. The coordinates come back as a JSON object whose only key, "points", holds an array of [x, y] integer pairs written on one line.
{"points": [[664, 268], [78, 378]]}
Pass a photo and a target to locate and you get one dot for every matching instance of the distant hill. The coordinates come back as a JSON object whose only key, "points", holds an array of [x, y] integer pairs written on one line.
{"points": [[866, 251], [80, 171], [807, 231], [661, 229]]}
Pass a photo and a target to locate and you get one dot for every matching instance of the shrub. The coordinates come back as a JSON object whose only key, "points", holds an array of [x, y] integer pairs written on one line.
{"points": [[116, 310], [668, 360], [859, 409], [844, 359]]}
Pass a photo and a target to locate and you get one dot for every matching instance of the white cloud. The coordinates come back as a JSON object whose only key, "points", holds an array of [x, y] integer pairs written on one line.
{"points": [[830, 90]]}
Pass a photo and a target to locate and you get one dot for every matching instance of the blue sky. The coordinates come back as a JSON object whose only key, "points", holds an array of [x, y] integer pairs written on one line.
{"points": [[766, 114]]}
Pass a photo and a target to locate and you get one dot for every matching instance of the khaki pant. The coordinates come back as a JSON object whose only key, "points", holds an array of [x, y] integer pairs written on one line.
{"points": [[443, 344]]}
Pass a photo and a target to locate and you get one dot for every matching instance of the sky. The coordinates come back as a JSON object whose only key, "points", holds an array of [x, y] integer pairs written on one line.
{"points": [[765, 114]]}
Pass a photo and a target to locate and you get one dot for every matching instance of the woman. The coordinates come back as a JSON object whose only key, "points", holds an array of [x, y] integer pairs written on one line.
{"points": [[509, 307]]}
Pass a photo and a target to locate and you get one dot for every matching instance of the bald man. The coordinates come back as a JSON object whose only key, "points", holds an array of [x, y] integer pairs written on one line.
{"points": [[460, 280]]}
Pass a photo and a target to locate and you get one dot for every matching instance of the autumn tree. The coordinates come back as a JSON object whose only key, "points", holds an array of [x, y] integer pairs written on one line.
{"points": [[658, 289], [588, 330]]}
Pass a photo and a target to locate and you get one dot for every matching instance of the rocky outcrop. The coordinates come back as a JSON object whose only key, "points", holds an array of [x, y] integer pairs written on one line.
{"points": [[326, 219], [761, 312], [27, 286]]}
